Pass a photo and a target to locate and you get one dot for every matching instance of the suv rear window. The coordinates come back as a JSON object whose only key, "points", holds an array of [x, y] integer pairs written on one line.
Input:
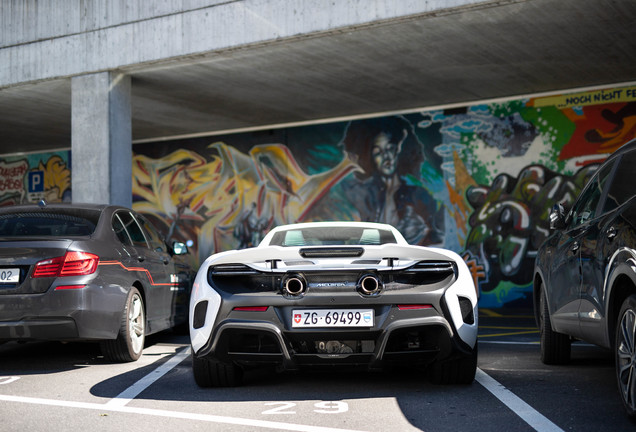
{"points": [[42, 224]]}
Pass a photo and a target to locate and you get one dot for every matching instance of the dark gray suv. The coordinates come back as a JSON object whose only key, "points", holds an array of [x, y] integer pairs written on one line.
{"points": [[585, 272]]}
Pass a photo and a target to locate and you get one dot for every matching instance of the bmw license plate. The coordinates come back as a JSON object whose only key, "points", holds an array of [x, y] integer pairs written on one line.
{"points": [[9, 275], [332, 318]]}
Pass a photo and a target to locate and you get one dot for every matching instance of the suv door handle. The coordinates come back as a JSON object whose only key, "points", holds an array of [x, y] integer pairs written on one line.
{"points": [[575, 246], [611, 233]]}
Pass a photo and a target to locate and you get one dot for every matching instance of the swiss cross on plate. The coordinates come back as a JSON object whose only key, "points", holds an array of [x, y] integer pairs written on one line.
{"points": [[297, 318]]}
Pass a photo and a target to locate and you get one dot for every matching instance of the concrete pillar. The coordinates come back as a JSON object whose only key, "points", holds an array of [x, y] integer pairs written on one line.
{"points": [[101, 142]]}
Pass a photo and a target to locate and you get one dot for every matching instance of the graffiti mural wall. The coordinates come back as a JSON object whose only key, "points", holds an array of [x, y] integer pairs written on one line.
{"points": [[32, 177], [479, 180]]}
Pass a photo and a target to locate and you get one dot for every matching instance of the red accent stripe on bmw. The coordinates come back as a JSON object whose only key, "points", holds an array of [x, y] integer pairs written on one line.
{"points": [[140, 269]]}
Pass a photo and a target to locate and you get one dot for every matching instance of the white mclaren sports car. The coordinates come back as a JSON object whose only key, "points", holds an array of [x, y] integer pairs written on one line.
{"points": [[333, 294]]}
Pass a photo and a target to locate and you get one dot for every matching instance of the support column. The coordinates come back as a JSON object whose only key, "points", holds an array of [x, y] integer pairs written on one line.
{"points": [[101, 143]]}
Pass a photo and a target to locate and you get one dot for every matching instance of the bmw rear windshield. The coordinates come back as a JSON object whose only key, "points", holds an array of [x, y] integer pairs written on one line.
{"points": [[332, 236], [64, 223]]}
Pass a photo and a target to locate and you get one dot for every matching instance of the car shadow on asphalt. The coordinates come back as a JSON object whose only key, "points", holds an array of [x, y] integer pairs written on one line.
{"points": [[48, 357]]}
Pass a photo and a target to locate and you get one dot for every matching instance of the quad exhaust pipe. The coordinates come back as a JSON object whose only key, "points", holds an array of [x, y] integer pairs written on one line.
{"points": [[369, 284], [294, 285]]}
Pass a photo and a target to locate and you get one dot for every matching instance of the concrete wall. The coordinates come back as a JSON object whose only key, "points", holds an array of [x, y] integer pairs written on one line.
{"points": [[43, 40]]}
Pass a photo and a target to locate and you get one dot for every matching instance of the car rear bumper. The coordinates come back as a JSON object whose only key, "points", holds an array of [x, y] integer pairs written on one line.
{"points": [[403, 337], [43, 329], [89, 313]]}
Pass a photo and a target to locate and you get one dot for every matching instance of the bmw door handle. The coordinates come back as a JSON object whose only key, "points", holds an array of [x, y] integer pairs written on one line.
{"points": [[611, 233], [575, 246]]}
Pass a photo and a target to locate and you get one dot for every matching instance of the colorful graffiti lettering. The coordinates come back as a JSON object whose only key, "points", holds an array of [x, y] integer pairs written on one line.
{"points": [[57, 179], [477, 271], [12, 187], [230, 198], [51, 171], [510, 221]]}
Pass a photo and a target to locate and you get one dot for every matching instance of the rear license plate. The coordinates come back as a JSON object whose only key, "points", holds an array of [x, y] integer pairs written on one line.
{"points": [[332, 318], [9, 275]]}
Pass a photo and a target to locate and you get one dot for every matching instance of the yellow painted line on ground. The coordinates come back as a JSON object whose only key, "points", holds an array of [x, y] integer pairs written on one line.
{"points": [[510, 334], [508, 327], [488, 313]]}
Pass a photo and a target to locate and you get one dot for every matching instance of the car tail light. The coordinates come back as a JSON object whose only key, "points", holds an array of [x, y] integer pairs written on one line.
{"points": [[71, 264], [414, 306], [48, 268], [251, 308], [79, 264]]}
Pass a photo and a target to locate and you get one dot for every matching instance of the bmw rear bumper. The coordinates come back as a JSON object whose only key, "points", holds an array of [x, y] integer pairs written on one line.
{"points": [[89, 313]]}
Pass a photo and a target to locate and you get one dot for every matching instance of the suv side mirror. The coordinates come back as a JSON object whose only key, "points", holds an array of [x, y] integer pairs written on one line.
{"points": [[557, 217], [179, 248]]}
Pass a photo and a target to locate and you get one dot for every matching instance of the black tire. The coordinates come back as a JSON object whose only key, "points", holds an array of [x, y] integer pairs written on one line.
{"points": [[456, 371], [212, 373], [625, 354], [555, 347], [131, 337]]}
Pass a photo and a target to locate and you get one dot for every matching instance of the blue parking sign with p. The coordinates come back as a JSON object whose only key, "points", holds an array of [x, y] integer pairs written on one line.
{"points": [[36, 181]]}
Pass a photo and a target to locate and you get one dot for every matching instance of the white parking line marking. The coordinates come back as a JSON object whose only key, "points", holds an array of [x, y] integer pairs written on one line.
{"points": [[508, 342], [134, 390], [531, 416], [8, 379], [174, 414], [536, 343]]}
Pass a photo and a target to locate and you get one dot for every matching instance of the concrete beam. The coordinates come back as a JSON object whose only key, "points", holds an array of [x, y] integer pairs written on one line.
{"points": [[101, 143], [62, 38]]}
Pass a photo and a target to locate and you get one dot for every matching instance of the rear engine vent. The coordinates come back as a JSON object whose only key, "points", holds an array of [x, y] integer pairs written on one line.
{"points": [[331, 252], [427, 272], [434, 267], [232, 270], [466, 308], [298, 263], [239, 278], [366, 262], [200, 310]]}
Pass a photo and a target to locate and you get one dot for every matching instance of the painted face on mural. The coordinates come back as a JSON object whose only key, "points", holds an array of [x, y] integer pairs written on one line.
{"points": [[385, 153]]}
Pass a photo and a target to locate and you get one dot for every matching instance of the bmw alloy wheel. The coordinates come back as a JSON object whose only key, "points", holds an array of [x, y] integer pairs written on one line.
{"points": [[136, 323]]}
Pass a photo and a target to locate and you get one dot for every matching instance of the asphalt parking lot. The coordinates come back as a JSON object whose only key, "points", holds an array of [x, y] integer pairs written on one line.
{"points": [[53, 386]]}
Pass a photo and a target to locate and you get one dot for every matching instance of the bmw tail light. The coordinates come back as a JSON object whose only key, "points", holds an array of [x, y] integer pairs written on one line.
{"points": [[48, 268], [79, 264], [71, 264]]}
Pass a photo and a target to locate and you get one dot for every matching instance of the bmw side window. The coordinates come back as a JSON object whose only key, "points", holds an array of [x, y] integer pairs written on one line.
{"points": [[155, 239], [120, 231], [133, 229], [622, 188]]}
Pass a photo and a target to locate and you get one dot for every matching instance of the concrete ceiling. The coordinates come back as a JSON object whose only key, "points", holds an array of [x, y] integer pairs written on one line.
{"points": [[516, 48]]}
